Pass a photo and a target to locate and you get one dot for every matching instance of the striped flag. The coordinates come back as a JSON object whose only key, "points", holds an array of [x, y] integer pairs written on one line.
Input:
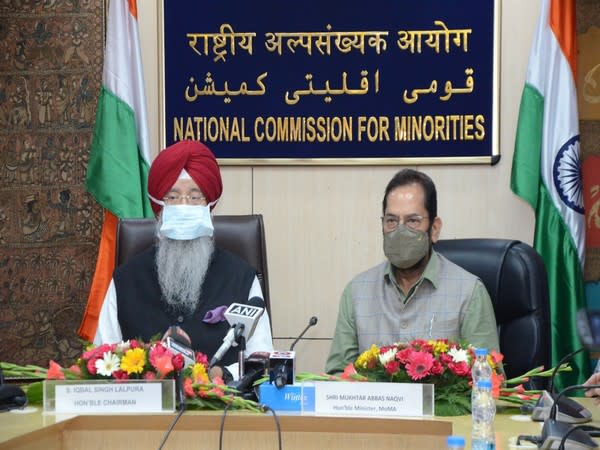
{"points": [[117, 172], [546, 173]]}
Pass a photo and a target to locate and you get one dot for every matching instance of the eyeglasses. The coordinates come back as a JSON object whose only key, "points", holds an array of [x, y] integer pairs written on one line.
{"points": [[390, 221], [175, 199]]}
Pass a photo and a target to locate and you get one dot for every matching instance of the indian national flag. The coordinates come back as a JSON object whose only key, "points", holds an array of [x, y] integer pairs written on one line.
{"points": [[546, 173], [117, 171]]}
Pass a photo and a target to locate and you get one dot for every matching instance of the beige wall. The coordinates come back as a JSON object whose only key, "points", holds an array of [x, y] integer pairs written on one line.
{"points": [[322, 223]]}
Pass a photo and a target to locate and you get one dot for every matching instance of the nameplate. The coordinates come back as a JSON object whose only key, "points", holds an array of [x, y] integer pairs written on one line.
{"points": [[109, 397], [374, 399]]}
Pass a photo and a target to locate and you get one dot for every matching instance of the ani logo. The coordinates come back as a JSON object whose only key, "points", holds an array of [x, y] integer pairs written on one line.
{"points": [[567, 175]]}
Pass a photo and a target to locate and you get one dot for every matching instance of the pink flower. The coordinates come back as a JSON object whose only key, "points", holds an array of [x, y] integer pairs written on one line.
{"points": [[163, 364], [91, 365], [75, 370], [404, 355], [202, 359], [161, 359], [149, 376], [419, 365], [133, 343], [55, 371]]}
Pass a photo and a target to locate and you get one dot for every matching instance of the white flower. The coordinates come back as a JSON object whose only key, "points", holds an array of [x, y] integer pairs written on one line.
{"points": [[388, 356], [122, 347], [107, 365], [459, 355]]}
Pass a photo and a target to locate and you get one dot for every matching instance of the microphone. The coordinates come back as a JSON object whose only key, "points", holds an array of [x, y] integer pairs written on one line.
{"points": [[283, 364], [556, 433], [257, 365], [311, 323], [11, 396], [569, 410], [178, 342], [243, 319]]}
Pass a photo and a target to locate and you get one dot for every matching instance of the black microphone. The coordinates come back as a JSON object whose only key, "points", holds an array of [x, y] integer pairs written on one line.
{"points": [[555, 432], [11, 396], [311, 323], [569, 410], [243, 319], [283, 364]]}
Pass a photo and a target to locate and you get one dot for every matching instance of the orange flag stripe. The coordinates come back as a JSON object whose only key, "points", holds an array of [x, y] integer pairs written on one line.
{"points": [[562, 23], [105, 265]]}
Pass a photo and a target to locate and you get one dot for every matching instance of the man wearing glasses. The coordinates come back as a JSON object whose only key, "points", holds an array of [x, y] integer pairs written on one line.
{"points": [[184, 280], [417, 293]]}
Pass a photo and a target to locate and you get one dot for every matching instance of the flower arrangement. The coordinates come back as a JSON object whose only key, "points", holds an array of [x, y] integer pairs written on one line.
{"points": [[447, 365], [136, 360]]}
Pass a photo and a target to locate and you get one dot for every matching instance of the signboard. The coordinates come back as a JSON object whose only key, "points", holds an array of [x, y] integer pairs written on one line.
{"points": [[109, 396], [332, 82]]}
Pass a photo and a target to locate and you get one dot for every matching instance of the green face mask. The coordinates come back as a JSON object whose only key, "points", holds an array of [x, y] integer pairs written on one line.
{"points": [[404, 247]]}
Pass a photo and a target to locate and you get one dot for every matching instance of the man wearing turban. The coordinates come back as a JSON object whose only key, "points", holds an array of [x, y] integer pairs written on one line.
{"points": [[184, 280]]}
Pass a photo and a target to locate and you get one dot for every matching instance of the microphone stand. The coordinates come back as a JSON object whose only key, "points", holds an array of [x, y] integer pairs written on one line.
{"points": [[242, 344], [311, 323]]}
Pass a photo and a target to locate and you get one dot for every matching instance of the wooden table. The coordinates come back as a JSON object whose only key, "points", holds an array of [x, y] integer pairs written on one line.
{"points": [[200, 430]]}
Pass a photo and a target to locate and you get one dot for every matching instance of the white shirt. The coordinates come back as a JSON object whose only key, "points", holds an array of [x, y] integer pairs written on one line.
{"points": [[109, 330]]}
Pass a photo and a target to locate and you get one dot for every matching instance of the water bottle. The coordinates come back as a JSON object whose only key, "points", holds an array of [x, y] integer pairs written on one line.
{"points": [[483, 410], [481, 369], [456, 443]]}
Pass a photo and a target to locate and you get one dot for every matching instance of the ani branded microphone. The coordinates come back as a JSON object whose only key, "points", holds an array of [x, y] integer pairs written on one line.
{"points": [[283, 364], [243, 319], [568, 410]]}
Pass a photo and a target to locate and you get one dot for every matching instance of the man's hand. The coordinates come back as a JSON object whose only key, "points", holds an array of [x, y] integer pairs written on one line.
{"points": [[594, 392]]}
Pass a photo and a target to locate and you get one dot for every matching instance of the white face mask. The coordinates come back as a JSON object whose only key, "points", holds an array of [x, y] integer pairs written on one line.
{"points": [[185, 222]]}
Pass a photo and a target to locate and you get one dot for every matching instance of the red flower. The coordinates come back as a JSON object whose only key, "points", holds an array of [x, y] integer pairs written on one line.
{"points": [[188, 388], [149, 376], [461, 369], [437, 368], [392, 367], [419, 365], [349, 370], [55, 371], [120, 375], [497, 357], [178, 361]]}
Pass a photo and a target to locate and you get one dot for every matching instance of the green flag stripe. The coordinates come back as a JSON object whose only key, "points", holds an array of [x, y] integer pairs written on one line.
{"points": [[117, 174], [525, 177], [554, 242]]}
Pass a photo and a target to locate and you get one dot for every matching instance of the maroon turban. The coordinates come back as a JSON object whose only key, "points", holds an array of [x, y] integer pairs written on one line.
{"points": [[196, 159]]}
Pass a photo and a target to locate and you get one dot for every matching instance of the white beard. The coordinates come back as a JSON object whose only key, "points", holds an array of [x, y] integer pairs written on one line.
{"points": [[181, 268]]}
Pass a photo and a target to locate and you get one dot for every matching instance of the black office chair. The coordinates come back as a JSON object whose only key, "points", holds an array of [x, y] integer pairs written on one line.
{"points": [[515, 277], [242, 235]]}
